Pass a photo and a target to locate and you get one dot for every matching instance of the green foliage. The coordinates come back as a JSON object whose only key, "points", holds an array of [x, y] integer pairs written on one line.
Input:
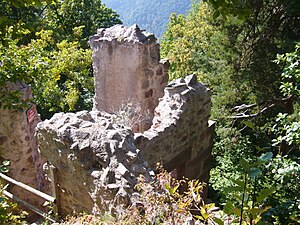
{"points": [[291, 72], [7, 210], [270, 181], [187, 39], [287, 125], [265, 192], [19, 14], [225, 8], [60, 73], [283, 173], [260, 38], [198, 44], [61, 16], [287, 130], [64, 16], [234, 54], [247, 194], [231, 147], [44, 44]]}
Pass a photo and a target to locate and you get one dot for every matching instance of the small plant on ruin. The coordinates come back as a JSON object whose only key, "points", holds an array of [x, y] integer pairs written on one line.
{"points": [[85, 219], [7, 208], [131, 115], [163, 202], [104, 219], [9, 214], [3, 166]]}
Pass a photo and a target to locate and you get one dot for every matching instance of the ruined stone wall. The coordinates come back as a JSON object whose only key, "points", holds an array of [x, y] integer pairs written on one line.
{"points": [[98, 159], [127, 68], [97, 163], [18, 145], [126, 65], [181, 135]]}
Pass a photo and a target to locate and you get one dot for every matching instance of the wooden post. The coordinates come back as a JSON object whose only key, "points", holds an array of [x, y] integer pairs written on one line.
{"points": [[54, 190]]}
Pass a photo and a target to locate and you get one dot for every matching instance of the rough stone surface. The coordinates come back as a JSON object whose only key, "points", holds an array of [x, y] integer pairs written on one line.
{"points": [[17, 144], [180, 136], [127, 68], [96, 160]]}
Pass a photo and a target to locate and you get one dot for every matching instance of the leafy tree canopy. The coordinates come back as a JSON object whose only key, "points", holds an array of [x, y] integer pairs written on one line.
{"points": [[65, 16], [17, 14], [255, 99], [44, 44], [59, 73], [245, 48]]}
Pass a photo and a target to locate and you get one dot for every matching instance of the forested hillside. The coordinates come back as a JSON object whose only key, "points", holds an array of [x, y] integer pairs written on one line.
{"points": [[150, 15], [248, 53]]}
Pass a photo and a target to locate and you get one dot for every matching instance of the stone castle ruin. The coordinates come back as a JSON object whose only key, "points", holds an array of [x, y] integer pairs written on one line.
{"points": [[97, 158], [127, 68]]}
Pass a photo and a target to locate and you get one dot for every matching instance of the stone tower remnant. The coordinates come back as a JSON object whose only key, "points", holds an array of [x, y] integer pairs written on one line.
{"points": [[127, 68]]}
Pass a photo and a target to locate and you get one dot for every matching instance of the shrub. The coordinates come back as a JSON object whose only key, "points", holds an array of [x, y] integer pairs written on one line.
{"points": [[9, 214]]}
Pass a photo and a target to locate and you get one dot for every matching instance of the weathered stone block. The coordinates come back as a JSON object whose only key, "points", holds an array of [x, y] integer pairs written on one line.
{"points": [[95, 164], [180, 130]]}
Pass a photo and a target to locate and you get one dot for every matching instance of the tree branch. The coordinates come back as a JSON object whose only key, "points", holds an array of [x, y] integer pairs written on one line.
{"points": [[266, 106], [243, 115]]}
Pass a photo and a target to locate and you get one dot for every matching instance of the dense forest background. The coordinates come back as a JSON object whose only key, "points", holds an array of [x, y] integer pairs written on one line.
{"points": [[150, 15], [247, 52]]}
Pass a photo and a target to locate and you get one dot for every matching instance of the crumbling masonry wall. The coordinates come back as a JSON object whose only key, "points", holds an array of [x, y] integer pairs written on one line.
{"points": [[18, 145], [180, 137], [97, 159], [97, 163], [127, 65]]}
